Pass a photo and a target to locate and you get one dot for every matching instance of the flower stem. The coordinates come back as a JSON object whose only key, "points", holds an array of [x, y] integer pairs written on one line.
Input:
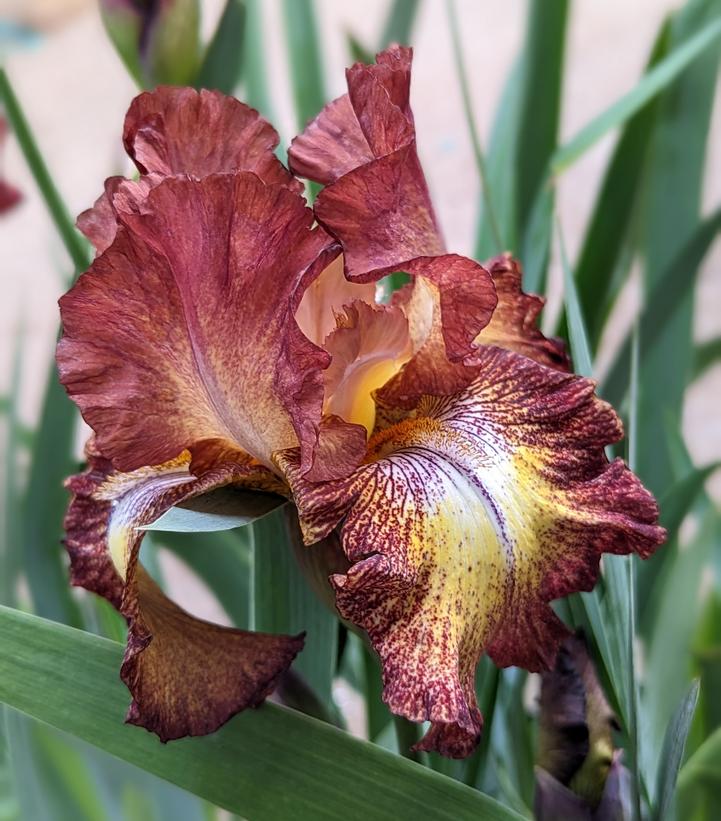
{"points": [[631, 579], [407, 734], [75, 245]]}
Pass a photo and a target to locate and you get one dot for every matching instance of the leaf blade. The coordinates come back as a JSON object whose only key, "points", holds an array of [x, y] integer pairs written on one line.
{"points": [[251, 766], [674, 743], [222, 65], [651, 85]]}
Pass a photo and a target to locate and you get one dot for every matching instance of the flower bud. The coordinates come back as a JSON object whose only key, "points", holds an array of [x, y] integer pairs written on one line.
{"points": [[579, 773], [158, 40]]}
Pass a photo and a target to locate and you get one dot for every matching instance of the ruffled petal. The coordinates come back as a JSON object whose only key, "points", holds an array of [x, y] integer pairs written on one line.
{"points": [[376, 203], [514, 322], [324, 299], [363, 147], [186, 676], [368, 347], [467, 519], [181, 335], [99, 223], [331, 145], [372, 120], [183, 131]]}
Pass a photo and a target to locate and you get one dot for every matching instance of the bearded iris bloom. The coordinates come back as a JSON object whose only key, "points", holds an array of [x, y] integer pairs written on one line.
{"points": [[9, 195], [228, 336]]}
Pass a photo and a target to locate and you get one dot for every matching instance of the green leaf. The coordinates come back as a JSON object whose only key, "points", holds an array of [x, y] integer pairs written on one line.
{"points": [[358, 52], [678, 165], [265, 764], [304, 59], [387, 286], [652, 84], [669, 630], [44, 504], [536, 242], [680, 497], [378, 716], [488, 680], [255, 90], [282, 602], [602, 254], [537, 134], [665, 298], [222, 509], [674, 744], [700, 778], [577, 335], [612, 624], [52, 781], [396, 29], [544, 53], [399, 23], [707, 663], [222, 65], [674, 505], [74, 244], [513, 745], [501, 177], [497, 240], [10, 532], [706, 355]]}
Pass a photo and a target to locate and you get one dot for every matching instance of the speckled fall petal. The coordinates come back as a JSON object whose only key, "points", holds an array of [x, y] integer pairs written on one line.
{"points": [[186, 676], [180, 131], [468, 518], [181, 335]]}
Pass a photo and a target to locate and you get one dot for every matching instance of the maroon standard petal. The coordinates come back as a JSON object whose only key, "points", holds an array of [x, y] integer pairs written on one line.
{"points": [[363, 145], [182, 334], [514, 322], [172, 131], [182, 131], [377, 204]]}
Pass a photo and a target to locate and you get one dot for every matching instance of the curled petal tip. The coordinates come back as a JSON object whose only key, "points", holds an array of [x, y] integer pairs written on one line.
{"points": [[186, 676]]}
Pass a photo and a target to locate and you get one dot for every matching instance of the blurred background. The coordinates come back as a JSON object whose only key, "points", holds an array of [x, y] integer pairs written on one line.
{"points": [[75, 89]]}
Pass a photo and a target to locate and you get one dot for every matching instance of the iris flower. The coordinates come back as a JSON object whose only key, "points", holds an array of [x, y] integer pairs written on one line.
{"points": [[228, 335], [9, 195]]}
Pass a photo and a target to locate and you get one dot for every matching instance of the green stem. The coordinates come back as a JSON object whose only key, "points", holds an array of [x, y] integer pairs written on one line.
{"points": [[407, 734], [72, 240], [470, 118], [487, 699], [631, 578]]}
